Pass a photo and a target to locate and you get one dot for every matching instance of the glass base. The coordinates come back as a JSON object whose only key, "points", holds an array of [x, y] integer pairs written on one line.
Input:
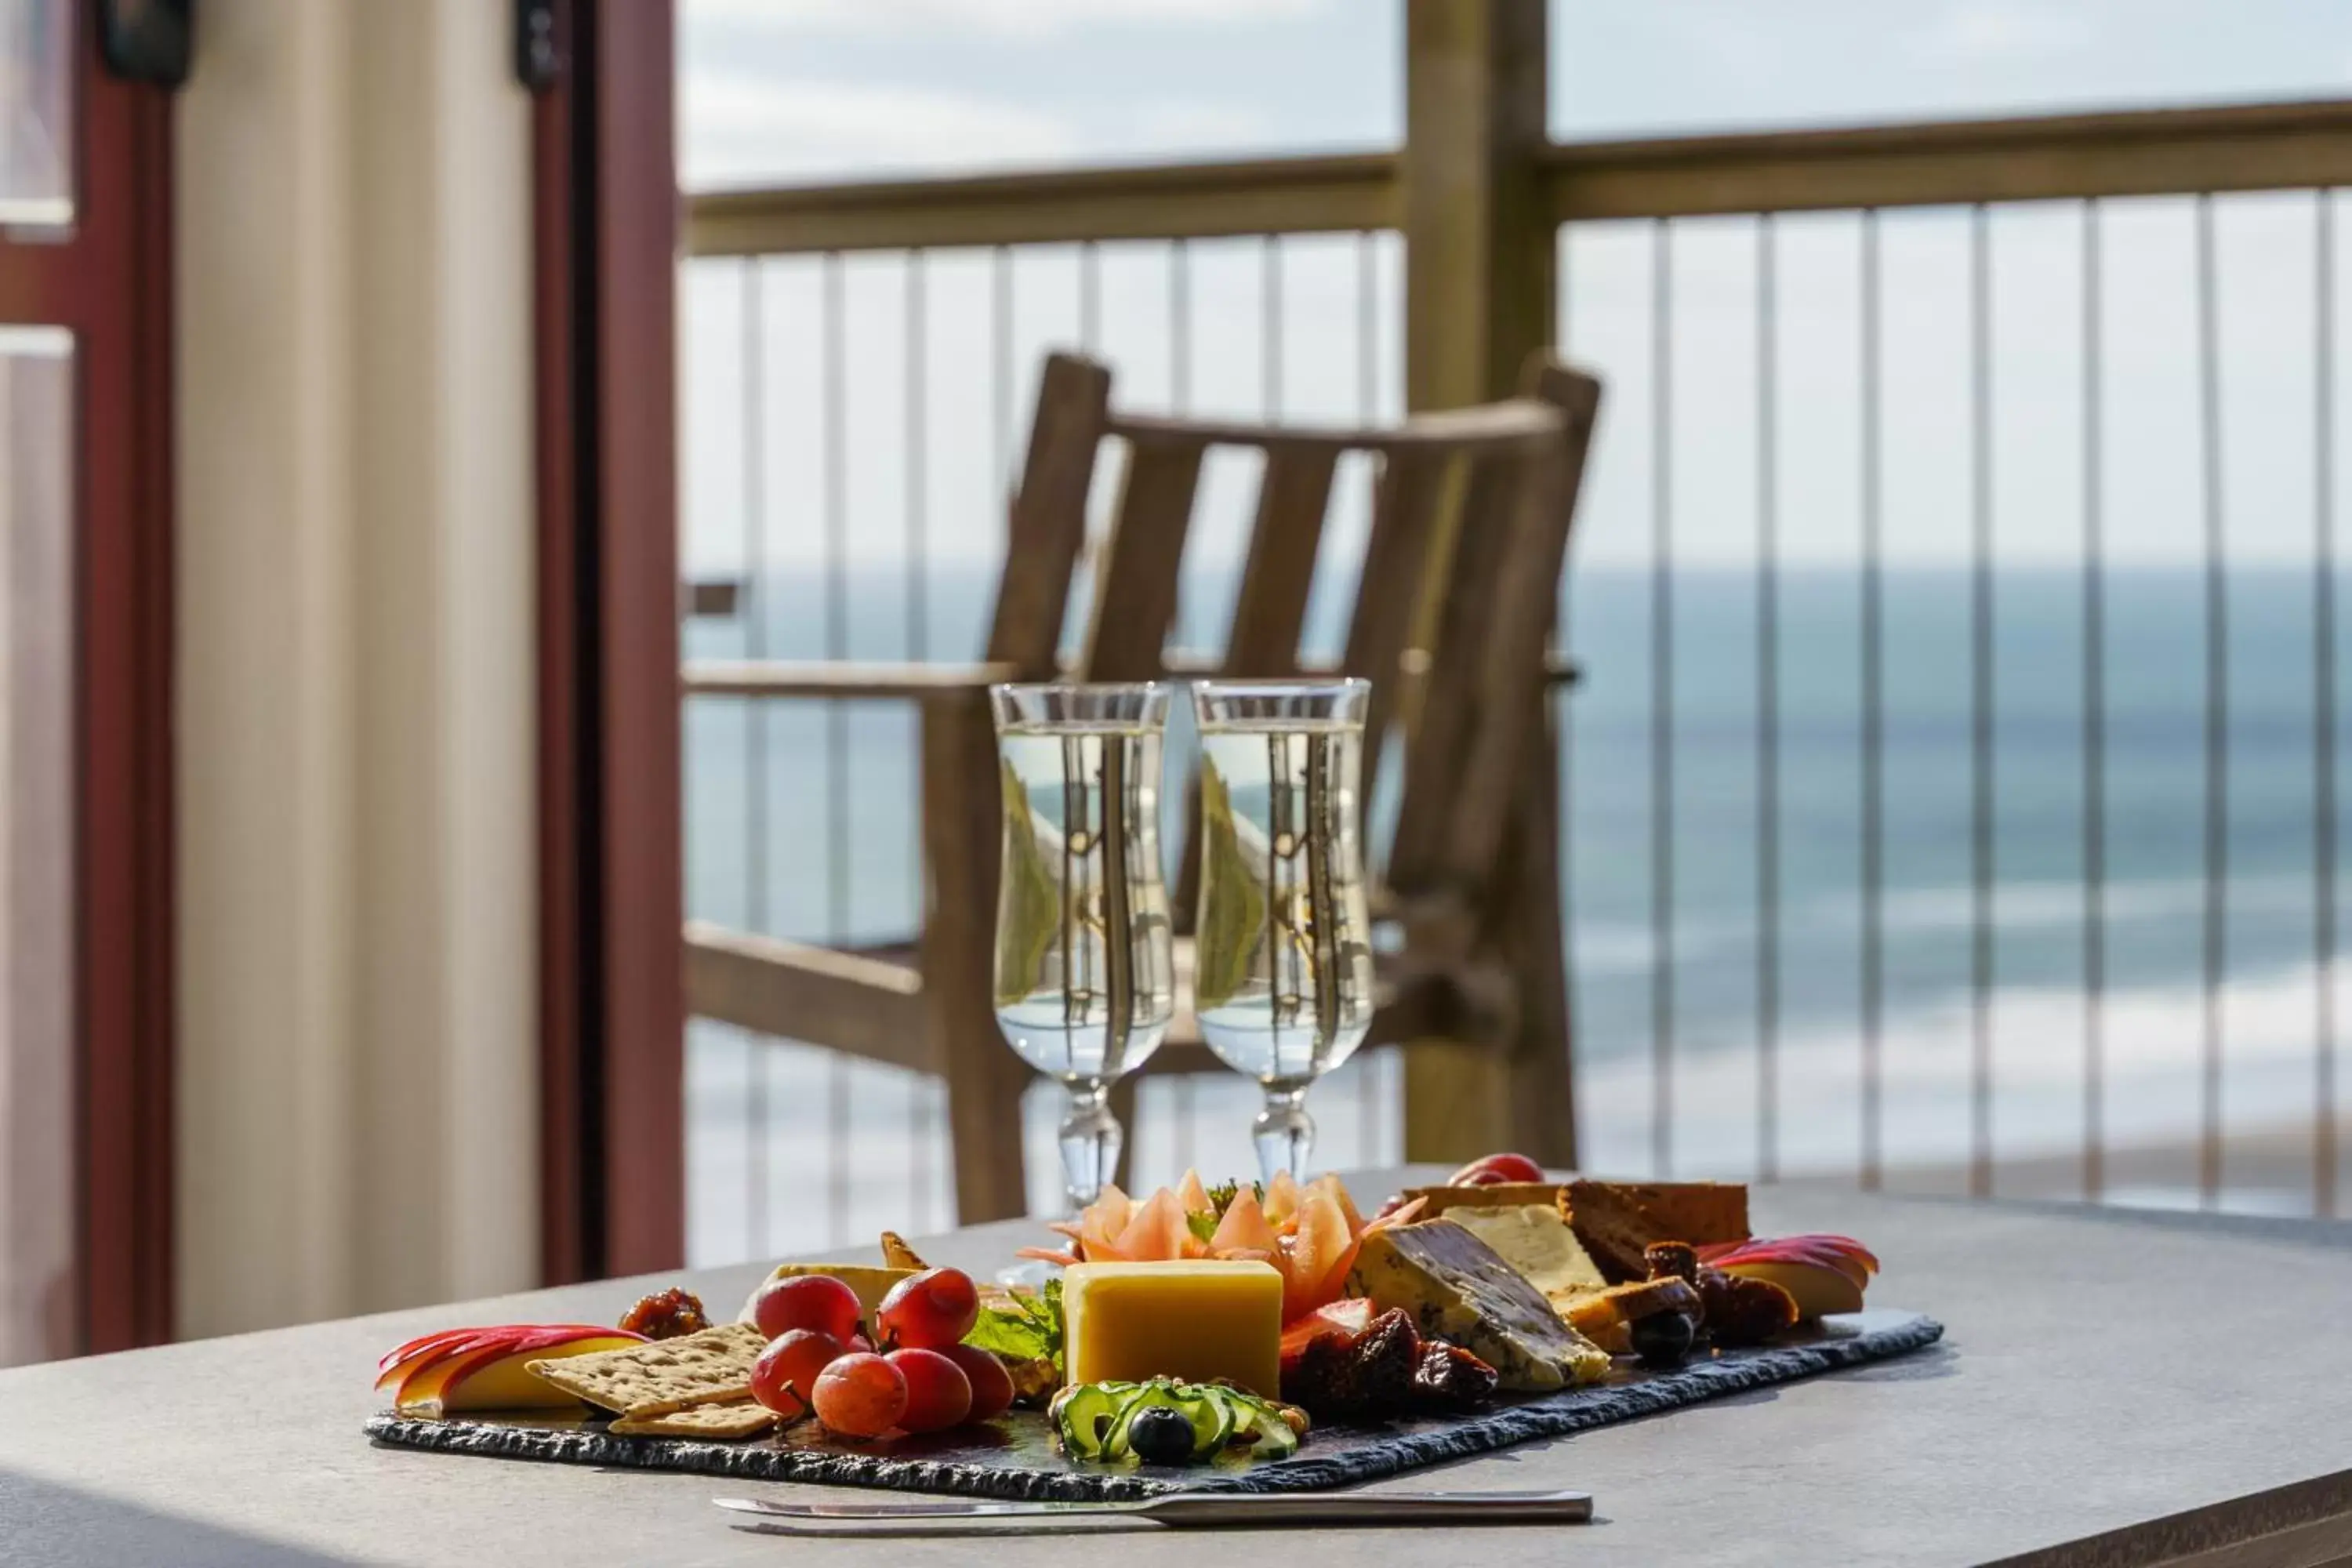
{"points": [[1091, 1140], [1283, 1133]]}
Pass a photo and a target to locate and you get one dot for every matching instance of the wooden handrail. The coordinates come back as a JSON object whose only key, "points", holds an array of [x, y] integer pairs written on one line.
{"points": [[830, 679], [2156, 152], [1168, 201], [824, 679], [2146, 151]]}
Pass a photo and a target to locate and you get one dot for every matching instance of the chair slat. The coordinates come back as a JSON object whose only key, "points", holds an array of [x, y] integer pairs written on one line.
{"points": [[1136, 598], [1292, 501], [1510, 679], [1447, 717], [1049, 516], [1294, 498], [1397, 563]]}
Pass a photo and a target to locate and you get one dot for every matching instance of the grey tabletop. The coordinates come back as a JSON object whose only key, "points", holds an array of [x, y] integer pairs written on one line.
{"points": [[2112, 1388]]}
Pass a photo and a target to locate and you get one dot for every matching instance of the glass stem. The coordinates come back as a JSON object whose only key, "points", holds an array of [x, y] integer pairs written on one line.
{"points": [[1284, 1133], [1091, 1140]]}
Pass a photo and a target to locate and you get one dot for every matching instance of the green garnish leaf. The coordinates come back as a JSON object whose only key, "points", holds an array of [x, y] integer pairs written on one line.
{"points": [[1030, 1329], [1221, 1196], [1203, 1226]]}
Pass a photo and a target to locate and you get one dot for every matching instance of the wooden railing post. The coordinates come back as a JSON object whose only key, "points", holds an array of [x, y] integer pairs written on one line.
{"points": [[1478, 232], [1479, 289]]}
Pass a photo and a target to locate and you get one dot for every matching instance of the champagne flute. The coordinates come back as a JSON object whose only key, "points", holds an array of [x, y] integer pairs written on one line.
{"points": [[1084, 955], [1283, 978]]}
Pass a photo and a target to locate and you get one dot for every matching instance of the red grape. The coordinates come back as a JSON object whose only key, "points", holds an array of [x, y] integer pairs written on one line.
{"points": [[785, 1374], [992, 1385], [929, 1311], [817, 1301], [938, 1395], [860, 1396]]}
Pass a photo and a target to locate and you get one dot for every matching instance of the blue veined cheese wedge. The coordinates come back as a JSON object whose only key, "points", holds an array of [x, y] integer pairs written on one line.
{"points": [[1453, 1286]]}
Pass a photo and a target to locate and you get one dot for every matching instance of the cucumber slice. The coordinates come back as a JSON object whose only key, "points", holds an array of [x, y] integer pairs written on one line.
{"points": [[1086, 1415], [1213, 1420], [1261, 1425]]}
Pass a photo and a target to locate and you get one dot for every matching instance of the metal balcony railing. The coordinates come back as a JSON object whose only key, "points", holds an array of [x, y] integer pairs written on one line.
{"points": [[1927, 821]]}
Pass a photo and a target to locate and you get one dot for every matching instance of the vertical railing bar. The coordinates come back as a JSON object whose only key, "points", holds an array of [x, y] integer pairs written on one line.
{"points": [[1089, 297], [920, 1107], [1981, 699], [1371, 1083], [1768, 710], [836, 716], [1564, 702], [1874, 782], [1180, 402], [1270, 320], [1179, 326], [999, 316], [2217, 712], [1662, 699], [756, 721], [2095, 719], [2323, 696]]}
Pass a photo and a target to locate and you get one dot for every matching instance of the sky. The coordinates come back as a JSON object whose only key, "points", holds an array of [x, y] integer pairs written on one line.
{"points": [[778, 91]]}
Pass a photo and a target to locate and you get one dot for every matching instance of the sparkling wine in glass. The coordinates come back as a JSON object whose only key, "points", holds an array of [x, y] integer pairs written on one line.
{"points": [[1084, 956], [1283, 977]]}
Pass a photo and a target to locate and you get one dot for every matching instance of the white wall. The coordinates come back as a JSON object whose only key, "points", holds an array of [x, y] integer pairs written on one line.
{"points": [[357, 1088]]}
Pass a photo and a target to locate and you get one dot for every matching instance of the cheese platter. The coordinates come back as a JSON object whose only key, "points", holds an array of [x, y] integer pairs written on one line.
{"points": [[1229, 1338]]}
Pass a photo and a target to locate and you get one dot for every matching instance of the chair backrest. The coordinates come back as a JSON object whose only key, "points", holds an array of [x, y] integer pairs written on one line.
{"points": [[1454, 610]]}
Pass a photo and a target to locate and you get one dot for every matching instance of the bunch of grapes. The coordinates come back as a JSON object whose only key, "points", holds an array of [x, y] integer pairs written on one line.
{"points": [[922, 1377]]}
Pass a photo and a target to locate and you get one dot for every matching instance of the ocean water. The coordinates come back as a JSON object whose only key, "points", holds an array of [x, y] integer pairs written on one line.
{"points": [[837, 859]]}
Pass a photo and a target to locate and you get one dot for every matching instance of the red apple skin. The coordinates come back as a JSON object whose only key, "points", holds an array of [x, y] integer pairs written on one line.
{"points": [[530, 1392], [401, 1375], [1496, 1170], [435, 1349], [439, 1345]]}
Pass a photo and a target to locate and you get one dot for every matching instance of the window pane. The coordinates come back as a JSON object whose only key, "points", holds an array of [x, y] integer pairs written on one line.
{"points": [[36, 112], [36, 772]]}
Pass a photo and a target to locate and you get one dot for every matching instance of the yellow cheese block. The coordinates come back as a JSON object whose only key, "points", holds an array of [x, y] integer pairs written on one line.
{"points": [[870, 1283], [1194, 1321]]}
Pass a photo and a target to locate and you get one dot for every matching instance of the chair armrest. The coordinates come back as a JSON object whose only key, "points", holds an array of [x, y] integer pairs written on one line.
{"points": [[918, 682], [1187, 665]]}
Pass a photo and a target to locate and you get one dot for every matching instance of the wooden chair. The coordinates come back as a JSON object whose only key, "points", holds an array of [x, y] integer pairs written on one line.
{"points": [[1452, 624]]}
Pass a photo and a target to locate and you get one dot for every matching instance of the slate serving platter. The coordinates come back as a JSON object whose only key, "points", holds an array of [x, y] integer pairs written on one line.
{"points": [[1016, 1457]]}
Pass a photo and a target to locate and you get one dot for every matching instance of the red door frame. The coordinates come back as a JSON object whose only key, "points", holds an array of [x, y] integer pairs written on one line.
{"points": [[110, 283], [612, 998]]}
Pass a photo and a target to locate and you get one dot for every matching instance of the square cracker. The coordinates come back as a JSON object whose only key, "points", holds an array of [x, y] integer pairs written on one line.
{"points": [[711, 1367], [740, 1419]]}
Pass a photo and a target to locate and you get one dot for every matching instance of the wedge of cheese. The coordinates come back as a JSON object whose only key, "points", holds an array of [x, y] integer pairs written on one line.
{"points": [[1195, 1321], [870, 1283], [1453, 1286], [1535, 1240]]}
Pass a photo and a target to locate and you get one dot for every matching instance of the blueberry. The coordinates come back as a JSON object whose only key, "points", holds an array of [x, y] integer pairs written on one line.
{"points": [[1161, 1436], [1663, 1339]]}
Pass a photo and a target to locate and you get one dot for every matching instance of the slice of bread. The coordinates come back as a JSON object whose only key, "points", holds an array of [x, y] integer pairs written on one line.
{"points": [[1501, 1196], [1615, 1220]]}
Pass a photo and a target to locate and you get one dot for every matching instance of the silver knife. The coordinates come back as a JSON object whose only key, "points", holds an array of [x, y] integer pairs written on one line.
{"points": [[1188, 1510]]}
